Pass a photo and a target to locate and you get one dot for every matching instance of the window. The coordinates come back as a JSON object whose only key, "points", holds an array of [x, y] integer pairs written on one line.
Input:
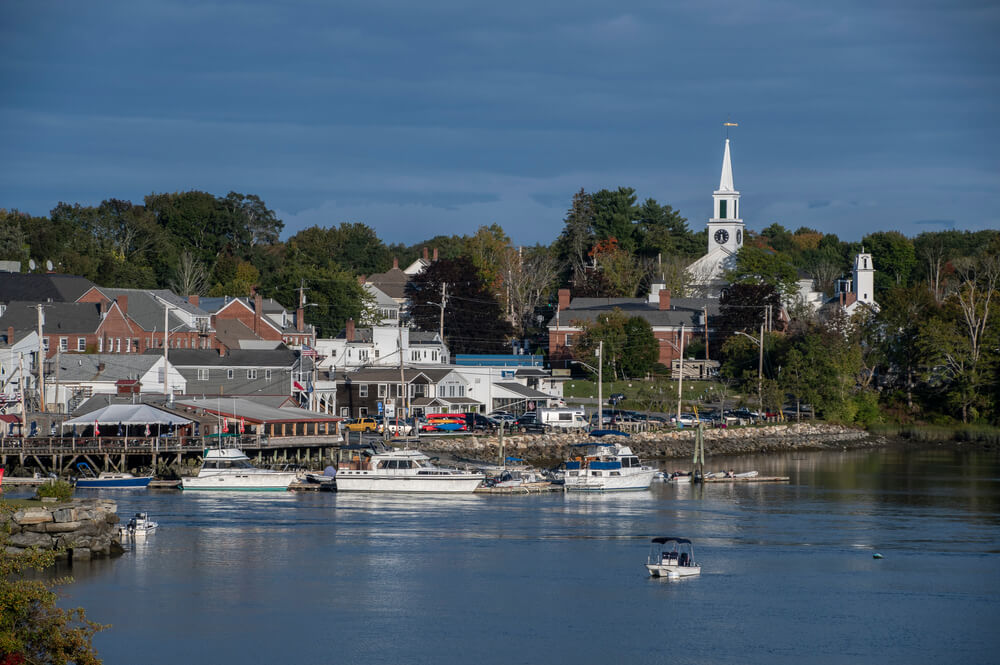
{"points": [[203, 374], [381, 390], [376, 353], [229, 374], [399, 390], [434, 356], [461, 391], [722, 209], [451, 391], [569, 340], [440, 391], [135, 345], [45, 343], [333, 353], [363, 390], [414, 355], [267, 374], [251, 374], [64, 344], [345, 412], [81, 343]]}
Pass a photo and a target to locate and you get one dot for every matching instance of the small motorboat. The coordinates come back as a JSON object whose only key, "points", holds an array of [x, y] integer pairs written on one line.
{"points": [[109, 479], [679, 477], [671, 557], [138, 526]]}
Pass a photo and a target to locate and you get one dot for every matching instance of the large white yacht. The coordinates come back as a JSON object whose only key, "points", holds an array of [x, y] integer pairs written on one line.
{"points": [[367, 470], [607, 467], [230, 469]]}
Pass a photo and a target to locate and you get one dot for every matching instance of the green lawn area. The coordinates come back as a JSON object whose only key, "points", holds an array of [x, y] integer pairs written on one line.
{"points": [[653, 395]]}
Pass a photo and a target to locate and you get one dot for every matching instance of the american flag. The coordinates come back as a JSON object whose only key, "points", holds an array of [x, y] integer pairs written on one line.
{"points": [[308, 351]]}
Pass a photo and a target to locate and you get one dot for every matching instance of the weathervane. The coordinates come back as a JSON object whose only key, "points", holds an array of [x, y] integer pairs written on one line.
{"points": [[727, 124]]}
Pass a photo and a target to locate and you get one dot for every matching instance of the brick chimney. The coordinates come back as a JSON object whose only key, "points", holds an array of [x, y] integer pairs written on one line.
{"points": [[395, 263], [123, 304], [102, 307], [563, 299], [10, 334], [435, 253], [361, 280], [258, 306], [664, 299], [300, 319], [349, 330], [425, 254], [194, 300]]}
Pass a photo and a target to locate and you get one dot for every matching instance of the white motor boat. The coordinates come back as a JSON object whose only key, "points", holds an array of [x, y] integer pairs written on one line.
{"points": [[138, 526], [230, 469], [366, 470], [671, 557], [607, 467]]}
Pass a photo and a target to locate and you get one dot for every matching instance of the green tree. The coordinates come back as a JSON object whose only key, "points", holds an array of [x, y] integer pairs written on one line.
{"points": [[608, 327], [641, 349], [763, 267], [615, 216], [13, 240], [893, 256], [573, 245], [662, 230]]}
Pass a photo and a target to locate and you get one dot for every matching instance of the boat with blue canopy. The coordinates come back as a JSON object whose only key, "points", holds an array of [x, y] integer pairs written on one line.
{"points": [[671, 557]]}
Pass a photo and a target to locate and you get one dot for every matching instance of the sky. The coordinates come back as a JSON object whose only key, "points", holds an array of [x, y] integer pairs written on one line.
{"points": [[442, 116]]}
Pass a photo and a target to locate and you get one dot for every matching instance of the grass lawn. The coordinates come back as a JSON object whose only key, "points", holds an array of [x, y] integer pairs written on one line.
{"points": [[653, 395]]}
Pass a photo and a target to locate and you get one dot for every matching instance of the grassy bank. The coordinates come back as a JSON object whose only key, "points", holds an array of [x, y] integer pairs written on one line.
{"points": [[660, 395], [982, 434]]}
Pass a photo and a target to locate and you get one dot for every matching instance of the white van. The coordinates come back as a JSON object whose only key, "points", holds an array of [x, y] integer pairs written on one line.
{"points": [[565, 418]]}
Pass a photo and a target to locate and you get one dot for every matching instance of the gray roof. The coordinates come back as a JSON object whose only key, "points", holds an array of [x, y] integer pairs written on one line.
{"points": [[682, 310], [231, 331], [87, 366], [424, 337], [282, 357], [523, 391], [391, 374], [147, 311], [392, 282], [241, 407], [381, 297], [49, 287], [60, 317]]}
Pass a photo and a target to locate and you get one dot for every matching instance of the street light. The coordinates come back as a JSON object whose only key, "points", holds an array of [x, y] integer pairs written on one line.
{"points": [[599, 352], [760, 368]]}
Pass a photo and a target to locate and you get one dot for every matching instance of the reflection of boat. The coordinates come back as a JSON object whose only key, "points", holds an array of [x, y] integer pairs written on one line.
{"points": [[606, 467], [671, 557], [608, 432], [138, 526], [230, 469], [109, 479], [366, 470]]}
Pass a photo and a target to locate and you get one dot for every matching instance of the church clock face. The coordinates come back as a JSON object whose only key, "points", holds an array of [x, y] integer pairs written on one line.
{"points": [[739, 237], [722, 236]]}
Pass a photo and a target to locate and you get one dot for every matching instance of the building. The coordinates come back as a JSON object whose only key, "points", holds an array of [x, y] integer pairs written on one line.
{"points": [[380, 346]]}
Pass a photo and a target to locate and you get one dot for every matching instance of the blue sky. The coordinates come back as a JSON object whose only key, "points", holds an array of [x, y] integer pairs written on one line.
{"points": [[438, 117]]}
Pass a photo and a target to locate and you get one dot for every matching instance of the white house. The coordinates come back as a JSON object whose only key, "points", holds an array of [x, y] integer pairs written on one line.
{"points": [[380, 346]]}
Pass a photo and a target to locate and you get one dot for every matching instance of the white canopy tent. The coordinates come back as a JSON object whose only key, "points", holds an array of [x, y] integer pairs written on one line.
{"points": [[128, 414]]}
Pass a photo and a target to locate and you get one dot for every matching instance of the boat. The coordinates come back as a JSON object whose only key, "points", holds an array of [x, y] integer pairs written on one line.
{"points": [[679, 477], [672, 558], [109, 479], [396, 470], [608, 432], [138, 526], [607, 467], [230, 469]]}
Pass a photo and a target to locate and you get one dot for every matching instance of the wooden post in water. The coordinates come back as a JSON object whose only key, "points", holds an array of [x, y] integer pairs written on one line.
{"points": [[699, 446]]}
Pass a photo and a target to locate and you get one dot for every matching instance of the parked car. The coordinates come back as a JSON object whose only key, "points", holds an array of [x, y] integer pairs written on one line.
{"points": [[505, 416], [477, 422], [399, 427], [363, 425], [528, 423], [615, 398]]}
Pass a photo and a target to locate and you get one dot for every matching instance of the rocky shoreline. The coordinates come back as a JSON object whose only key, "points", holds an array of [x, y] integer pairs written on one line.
{"points": [[548, 449], [80, 529]]}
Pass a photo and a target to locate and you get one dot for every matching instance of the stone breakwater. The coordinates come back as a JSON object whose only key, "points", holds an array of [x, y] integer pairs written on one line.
{"points": [[81, 528], [663, 444]]}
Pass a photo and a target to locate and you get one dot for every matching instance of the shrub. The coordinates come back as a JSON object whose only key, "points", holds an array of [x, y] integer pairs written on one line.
{"points": [[60, 489]]}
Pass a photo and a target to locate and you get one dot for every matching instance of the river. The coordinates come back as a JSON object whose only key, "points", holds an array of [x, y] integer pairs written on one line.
{"points": [[788, 572]]}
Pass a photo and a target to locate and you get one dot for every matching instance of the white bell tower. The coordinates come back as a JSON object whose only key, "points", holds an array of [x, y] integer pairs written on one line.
{"points": [[725, 228], [864, 277]]}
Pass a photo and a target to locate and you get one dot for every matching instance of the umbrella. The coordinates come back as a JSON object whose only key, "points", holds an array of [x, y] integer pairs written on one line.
{"points": [[97, 429], [241, 425], [147, 430], [225, 426]]}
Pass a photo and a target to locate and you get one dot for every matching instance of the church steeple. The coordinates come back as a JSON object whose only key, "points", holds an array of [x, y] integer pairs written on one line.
{"points": [[725, 228]]}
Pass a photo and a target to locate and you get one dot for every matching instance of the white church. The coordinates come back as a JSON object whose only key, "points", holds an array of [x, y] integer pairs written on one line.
{"points": [[725, 238]]}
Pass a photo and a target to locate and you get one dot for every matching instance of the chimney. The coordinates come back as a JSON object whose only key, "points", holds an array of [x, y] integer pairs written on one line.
{"points": [[349, 332], [10, 334], [258, 305], [194, 300], [425, 254], [435, 253], [123, 304], [395, 263], [100, 367], [664, 299], [222, 351], [361, 280], [300, 319], [102, 307], [563, 299]]}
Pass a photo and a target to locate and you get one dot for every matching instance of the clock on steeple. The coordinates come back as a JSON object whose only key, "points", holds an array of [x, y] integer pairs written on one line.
{"points": [[722, 236]]}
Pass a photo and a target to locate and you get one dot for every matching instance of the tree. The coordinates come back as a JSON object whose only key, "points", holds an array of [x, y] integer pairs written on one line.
{"points": [[615, 216], [473, 319], [609, 327], [488, 250], [662, 230], [641, 349], [13, 241], [33, 629], [577, 237], [893, 256], [190, 276], [763, 267], [744, 307], [263, 225], [530, 275], [622, 272]]}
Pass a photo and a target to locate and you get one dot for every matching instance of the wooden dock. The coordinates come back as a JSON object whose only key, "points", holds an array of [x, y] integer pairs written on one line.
{"points": [[164, 484]]}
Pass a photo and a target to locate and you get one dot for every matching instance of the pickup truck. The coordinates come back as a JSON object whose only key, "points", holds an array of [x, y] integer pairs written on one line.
{"points": [[363, 425]]}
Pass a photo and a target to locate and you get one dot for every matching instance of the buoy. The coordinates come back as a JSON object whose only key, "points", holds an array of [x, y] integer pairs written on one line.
{"points": [[876, 556]]}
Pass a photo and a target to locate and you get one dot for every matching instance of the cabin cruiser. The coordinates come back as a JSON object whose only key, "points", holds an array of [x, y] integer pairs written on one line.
{"points": [[230, 469], [671, 557], [606, 467], [109, 479], [365, 469]]}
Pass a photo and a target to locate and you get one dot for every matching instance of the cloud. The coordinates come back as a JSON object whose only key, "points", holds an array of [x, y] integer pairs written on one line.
{"points": [[819, 204], [947, 223]]}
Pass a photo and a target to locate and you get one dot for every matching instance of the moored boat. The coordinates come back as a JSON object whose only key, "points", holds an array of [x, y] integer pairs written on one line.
{"points": [[671, 557], [138, 526], [368, 470], [230, 469], [109, 479], [607, 467]]}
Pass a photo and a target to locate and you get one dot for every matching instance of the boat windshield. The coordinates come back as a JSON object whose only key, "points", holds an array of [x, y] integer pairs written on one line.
{"points": [[228, 464]]}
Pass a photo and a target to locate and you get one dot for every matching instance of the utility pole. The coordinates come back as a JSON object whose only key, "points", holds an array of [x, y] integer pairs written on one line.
{"points": [[705, 313], [600, 385], [402, 383], [166, 341], [680, 377], [760, 374], [20, 381], [41, 362], [444, 300]]}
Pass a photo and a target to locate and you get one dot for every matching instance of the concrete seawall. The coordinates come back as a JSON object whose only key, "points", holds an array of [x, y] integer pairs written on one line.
{"points": [[663, 444], [82, 528]]}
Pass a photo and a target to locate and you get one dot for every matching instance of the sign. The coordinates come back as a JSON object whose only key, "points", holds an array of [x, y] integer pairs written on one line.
{"points": [[390, 411], [531, 406], [380, 409]]}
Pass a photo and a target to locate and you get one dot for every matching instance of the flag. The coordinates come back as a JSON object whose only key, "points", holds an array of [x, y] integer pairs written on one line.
{"points": [[97, 429], [147, 429], [308, 351], [298, 386], [225, 426], [242, 425]]}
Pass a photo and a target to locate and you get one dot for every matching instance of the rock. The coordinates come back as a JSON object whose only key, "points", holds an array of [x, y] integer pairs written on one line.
{"points": [[81, 554], [26, 516], [62, 527], [30, 539], [65, 515]]}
